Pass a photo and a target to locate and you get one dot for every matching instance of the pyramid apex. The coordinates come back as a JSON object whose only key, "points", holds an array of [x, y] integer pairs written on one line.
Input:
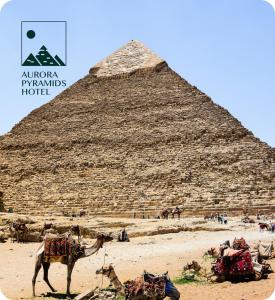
{"points": [[131, 57]]}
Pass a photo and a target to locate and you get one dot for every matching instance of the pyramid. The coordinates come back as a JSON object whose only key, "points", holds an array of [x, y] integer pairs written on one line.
{"points": [[31, 61], [45, 58], [59, 60], [133, 136]]}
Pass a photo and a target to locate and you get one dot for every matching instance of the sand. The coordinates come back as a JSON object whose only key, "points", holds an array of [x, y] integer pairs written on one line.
{"points": [[157, 253]]}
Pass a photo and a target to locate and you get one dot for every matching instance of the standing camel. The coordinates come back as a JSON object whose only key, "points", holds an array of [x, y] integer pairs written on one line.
{"points": [[176, 211], [69, 260], [18, 230], [165, 213]]}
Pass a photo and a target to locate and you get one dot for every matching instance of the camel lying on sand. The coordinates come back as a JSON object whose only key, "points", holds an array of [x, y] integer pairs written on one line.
{"points": [[109, 272]]}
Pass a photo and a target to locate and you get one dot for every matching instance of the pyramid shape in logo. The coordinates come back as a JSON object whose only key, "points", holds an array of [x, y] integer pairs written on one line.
{"points": [[133, 136], [43, 58]]}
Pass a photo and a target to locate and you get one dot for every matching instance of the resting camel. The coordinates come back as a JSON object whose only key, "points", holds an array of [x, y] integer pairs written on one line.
{"points": [[68, 260], [109, 272], [17, 230]]}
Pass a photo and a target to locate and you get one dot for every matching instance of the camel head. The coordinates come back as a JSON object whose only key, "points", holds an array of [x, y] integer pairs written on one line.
{"points": [[106, 270]]}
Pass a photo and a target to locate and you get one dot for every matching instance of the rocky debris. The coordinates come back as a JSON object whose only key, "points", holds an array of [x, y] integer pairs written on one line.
{"points": [[90, 227], [133, 138]]}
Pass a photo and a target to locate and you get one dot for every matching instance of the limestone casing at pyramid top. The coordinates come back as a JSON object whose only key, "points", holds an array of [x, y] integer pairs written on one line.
{"points": [[131, 57]]}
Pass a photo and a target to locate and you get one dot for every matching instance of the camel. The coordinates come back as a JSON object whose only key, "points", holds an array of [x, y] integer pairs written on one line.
{"points": [[264, 226], [209, 217], [109, 272], [165, 213], [69, 260], [176, 211], [17, 230], [248, 220]]}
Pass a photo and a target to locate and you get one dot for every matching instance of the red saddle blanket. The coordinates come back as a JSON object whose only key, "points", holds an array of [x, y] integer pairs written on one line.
{"points": [[238, 264], [62, 246], [56, 246]]}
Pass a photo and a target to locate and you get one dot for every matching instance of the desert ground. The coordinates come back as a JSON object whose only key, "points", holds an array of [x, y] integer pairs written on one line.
{"points": [[155, 245]]}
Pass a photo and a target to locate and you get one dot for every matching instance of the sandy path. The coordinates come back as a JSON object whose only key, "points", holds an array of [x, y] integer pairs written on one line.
{"points": [[156, 254]]}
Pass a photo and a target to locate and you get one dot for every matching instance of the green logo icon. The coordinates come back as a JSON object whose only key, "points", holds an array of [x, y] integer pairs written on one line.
{"points": [[30, 34], [43, 58], [35, 35]]}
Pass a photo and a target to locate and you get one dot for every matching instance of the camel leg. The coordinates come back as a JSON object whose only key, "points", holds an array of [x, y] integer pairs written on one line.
{"points": [[12, 237], [70, 267], [46, 267], [36, 270]]}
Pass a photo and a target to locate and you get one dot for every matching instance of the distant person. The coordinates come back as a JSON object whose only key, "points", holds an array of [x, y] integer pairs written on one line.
{"points": [[123, 236], [225, 219]]}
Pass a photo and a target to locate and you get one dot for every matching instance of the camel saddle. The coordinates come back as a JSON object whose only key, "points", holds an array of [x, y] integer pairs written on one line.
{"points": [[235, 263], [61, 245], [148, 285]]}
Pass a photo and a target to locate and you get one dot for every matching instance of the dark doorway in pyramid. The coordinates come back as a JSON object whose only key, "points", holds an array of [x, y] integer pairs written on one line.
{"points": [[43, 58]]}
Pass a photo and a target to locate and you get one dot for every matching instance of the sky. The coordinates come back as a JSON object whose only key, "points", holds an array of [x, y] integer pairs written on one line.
{"points": [[224, 47]]}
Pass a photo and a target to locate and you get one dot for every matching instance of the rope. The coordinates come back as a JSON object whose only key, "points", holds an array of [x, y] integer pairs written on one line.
{"points": [[103, 266]]}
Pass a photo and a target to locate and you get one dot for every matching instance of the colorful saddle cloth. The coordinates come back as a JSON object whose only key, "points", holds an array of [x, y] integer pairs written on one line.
{"points": [[237, 264], [148, 287], [56, 246], [62, 246]]}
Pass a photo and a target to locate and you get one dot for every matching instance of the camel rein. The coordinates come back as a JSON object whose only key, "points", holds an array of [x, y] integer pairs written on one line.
{"points": [[102, 275]]}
